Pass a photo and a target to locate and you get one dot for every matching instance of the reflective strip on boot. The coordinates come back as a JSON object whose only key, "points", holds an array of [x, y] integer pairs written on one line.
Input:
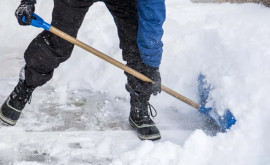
{"points": [[152, 137], [6, 120], [11, 110], [7, 102], [141, 126]]}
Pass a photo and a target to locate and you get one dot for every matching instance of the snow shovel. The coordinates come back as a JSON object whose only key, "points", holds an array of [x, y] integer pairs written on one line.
{"points": [[224, 122]]}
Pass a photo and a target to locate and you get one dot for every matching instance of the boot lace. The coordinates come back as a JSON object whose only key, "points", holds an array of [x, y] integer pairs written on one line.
{"points": [[151, 109], [21, 96]]}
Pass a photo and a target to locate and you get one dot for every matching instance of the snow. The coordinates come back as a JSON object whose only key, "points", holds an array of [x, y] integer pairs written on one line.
{"points": [[80, 116]]}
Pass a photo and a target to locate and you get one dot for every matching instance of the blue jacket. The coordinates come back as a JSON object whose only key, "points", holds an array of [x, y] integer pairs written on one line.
{"points": [[152, 14]]}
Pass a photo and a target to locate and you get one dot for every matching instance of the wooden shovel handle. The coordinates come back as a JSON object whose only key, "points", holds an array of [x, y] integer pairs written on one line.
{"points": [[121, 66]]}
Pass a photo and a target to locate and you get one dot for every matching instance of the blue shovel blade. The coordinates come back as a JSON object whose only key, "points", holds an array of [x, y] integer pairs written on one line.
{"points": [[226, 120], [204, 89]]}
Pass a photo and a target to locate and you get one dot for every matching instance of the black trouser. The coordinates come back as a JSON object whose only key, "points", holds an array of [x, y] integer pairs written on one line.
{"points": [[47, 50]]}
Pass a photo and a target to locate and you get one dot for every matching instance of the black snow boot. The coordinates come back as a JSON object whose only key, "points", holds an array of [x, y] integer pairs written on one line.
{"points": [[140, 118], [13, 106]]}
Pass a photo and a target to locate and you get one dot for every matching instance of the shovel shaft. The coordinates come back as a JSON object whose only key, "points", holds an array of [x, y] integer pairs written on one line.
{"points": [[99, 54], [180, 97], [120, 65]]}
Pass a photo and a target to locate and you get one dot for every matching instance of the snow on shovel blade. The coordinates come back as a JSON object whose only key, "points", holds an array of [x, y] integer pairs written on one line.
{"points": [[226, 120]]}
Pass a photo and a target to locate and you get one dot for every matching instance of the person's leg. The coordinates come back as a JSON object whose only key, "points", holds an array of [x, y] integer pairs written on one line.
{"points": [[43, 55], [47, 50], [125, 15]]}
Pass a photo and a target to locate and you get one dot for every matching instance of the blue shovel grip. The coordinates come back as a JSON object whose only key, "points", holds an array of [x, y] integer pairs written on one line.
{"points": [[39, 22]]}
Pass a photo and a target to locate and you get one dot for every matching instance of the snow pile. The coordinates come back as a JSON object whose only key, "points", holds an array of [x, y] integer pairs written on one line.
{"points": [[228, 43]]}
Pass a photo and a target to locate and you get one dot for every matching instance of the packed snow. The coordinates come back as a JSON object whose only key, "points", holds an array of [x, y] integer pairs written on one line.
{"points": [[80, 117]]}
